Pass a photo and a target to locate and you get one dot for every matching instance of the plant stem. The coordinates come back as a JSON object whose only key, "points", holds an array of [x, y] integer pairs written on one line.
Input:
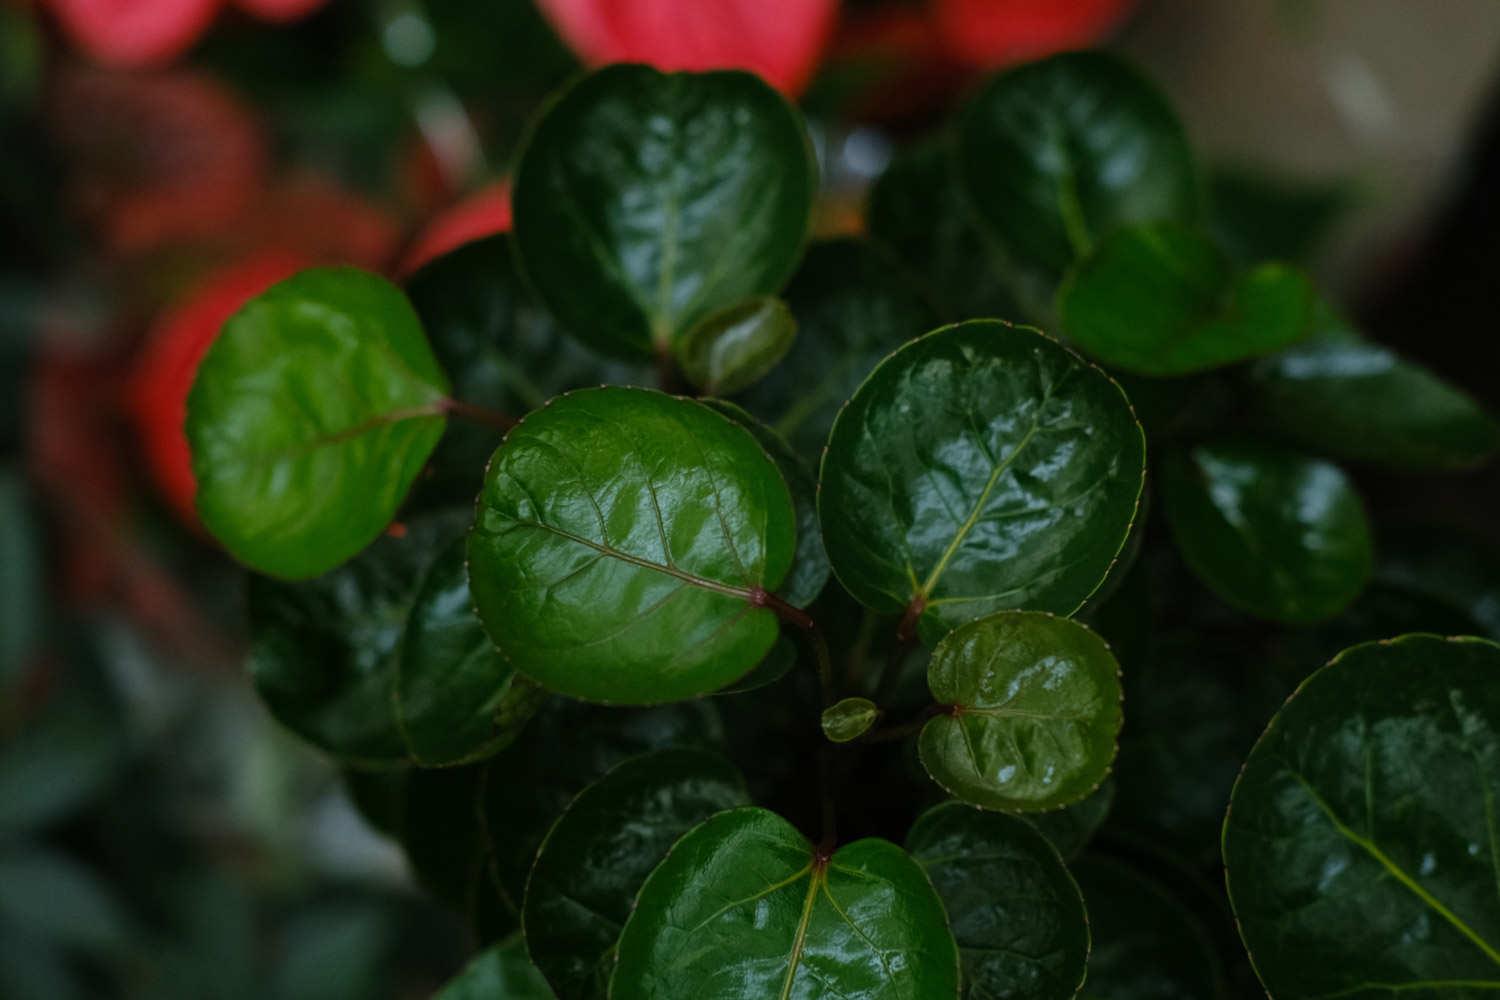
{"points": [[477, 414], [908, 728]]}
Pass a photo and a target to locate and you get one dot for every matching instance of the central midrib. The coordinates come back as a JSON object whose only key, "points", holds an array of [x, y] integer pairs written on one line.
{"points": [[800, 941]]}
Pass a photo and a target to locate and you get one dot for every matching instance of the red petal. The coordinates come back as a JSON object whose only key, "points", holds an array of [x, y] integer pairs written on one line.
{"points": [[135, 32], [482, 214], [999, 32]]}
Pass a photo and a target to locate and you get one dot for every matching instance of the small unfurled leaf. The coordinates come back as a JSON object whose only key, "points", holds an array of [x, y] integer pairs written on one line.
{"points": [[734, 348], [1032, 712], [311, 415], [1163, 300], [1274, 533], [1355, 400], [624, 544], [744, 906], [849, 719], [982, 467], [1360, 840], [599, 852], [1015, 911], [501, 972], [648, 201]]}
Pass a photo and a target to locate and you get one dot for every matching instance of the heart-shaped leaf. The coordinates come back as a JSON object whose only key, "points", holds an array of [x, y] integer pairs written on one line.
{"points": [[1277, 534], [1015, 911], [624, 546], [1032, 712], [1360, 841], [1057, 154], [502, 972], [735, 348], [979, 468], [600, 851], [744, 906], [311, 415], [849, 719], [646, 202]]}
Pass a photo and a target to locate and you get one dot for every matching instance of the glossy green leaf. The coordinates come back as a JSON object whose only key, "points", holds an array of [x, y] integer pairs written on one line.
{"points": [[1355, 400], [646, 201], [1360, 841], [310, 416], [849, 719], [1070, 828], [599, 852], [1274, 533], [621, 540], [979, 468], [773, 667], [734, 348], [1032, 712], [744, 906], [456, 699], [501, 972], [1056, 154], [1163, 300], [1015, 911], [324, 653], [854, 305]]}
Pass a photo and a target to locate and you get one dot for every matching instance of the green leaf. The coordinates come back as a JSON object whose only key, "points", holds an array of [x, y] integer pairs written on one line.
{"points": [[734, 348], [849, 719], [1274, 533], [773, 667], [854, 305], [1015, 911], [1163, 300], [1032, 712], [58, 761], [502, 972], [310, 416], [599, 852], [1355, 400], [56, 898], [1360, 841], [324, 653], [1070, 828], [1057, 154], [1258, 216], [624, 544], [744, 906], [456, 699], [981, 467], [646, 201]]}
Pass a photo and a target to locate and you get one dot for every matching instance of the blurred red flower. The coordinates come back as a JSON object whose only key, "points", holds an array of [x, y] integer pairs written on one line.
{"points": [[989, 33], [131, 33], [484, 213]]}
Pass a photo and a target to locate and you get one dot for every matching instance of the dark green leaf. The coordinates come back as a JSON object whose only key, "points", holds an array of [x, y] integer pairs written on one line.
{"points": [[647, 201], [1070, 828], [1454, 569], [1057, 154], [56, 763], [622, 538], [503, 972], [849, 719], [734, 348], [773, 667], [1258, 216], [1163, 300], [339, 950], [56, 898], [1032, 712], [1274, 533], [310, 416], [981, 467], [447, 844], [599, 852], [21, 579], [744, 906], [1016, 912], [1356, 400]]}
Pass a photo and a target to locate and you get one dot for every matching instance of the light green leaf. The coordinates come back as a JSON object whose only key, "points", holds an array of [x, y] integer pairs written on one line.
{"points": [[733, 349], [849, 719]]}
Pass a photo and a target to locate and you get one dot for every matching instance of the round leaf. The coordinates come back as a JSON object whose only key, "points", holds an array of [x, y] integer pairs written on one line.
{"points": [[647, 201], [600, 851], [1057, 154], [735, 348], [1274, 533], [622, 539], [744, 906], [981, 467], [1016, 912], [1163, 300], [1360, 840], [849, 719], [1033, 712], [311, 415], [503, 972]]}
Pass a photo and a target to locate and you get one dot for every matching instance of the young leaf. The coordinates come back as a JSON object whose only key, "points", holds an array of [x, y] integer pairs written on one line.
{"points": [[735, 348], [1360, 839], [1163, 300], [981, 467], [1274, 533], [311, 415], [600, 851], [1359, 401], [1057, 154], [502, 972], [745, 906], [1033, 712], [624, 545], [849, 719], [1015, 911], [647, 201]]}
